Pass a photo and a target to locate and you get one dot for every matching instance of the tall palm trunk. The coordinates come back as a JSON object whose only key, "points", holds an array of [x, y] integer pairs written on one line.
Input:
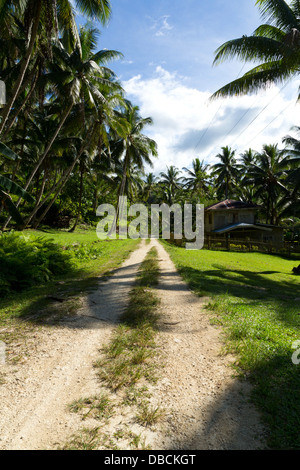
{"points": [[79, 202], [30, 93], [58, 188], [42, 188], [24, 65], [120, 194], [64, 117], [63, 180]]}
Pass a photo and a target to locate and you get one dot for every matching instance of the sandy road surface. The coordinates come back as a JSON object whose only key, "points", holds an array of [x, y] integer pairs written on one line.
{"points": [[206, 408]]}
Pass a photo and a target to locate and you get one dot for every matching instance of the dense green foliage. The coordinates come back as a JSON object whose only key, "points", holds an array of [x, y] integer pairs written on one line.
{"points": [[65, 116], [26, 261], [70, 140]]}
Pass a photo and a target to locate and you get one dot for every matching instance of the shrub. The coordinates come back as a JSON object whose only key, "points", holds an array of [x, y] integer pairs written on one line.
{"points": [[25, 262]]}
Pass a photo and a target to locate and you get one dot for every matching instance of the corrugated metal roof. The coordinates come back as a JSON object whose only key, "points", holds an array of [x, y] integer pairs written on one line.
{"points": [[231, 227], [231, 204]]}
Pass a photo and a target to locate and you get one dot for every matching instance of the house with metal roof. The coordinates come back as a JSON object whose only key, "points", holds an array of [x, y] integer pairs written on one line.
{"points": [[238, 220]]}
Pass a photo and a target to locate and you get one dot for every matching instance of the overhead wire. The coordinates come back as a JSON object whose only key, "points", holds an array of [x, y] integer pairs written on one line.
{"points": [[245, 113], [274, 119], [214, 116], [261, 111]]}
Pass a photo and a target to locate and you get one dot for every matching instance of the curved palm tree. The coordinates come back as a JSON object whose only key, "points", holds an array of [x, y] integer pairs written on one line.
{"points": [[83, 79], [8, 187], [50, 16], [226, 172], [275, 45]]}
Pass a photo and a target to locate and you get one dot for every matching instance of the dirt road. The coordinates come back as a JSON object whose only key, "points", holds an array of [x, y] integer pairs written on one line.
{"points": [[205, 407]]}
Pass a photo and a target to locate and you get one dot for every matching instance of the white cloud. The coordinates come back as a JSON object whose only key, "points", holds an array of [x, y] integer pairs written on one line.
{"points": [[161, 25], [187, 124]]}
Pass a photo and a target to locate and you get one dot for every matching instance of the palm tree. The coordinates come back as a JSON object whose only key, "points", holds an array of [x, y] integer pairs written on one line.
{"points": [[293, 159], [149, 185], [226, 172], [247, 158], [246, 190], [171, 183], [275, 45], [46, 15], [197, 180], [8, 187], [268, 175], [84, 163], [81, 77], [132, 147]]}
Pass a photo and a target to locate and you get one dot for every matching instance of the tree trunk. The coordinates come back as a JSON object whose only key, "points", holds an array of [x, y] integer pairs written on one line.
{"points": [[79, 202], [120, 193], [24, 65], [63, 180], [21, 107], [42, 189], [59, 186], [65, 115]]}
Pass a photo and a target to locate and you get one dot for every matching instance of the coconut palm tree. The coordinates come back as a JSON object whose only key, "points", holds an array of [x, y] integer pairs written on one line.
{"points": [[274, 45], [149, 185], [293, 159], [226, 172], [45, 16], [171, 182], [268, 175], [8, 187], [197, 179], [73, 78], [131, 148]]}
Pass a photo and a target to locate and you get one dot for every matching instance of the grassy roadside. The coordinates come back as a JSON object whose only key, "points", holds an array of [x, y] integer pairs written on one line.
{"points": [[256, 299], [126, 368], [21, 313]]}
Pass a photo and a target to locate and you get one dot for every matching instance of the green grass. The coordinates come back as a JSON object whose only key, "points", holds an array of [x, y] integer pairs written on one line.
{"points": [[256, 299], [98, 407], [64, 237], [37, 305], [129, 354]]}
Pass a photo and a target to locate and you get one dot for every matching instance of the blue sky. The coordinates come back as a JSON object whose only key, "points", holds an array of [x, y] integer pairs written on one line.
{"points": [[168, 48]]}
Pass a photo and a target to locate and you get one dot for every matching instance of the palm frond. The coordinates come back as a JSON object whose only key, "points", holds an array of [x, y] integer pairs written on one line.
{"points": [[260, 77], [95, 9], [249, 48], [278, 13]]}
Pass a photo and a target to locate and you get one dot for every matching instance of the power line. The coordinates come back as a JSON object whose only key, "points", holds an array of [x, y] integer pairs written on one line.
{"points": [[274, 119], [241, 118], [216, 113], [202, 136], [261, 111]]}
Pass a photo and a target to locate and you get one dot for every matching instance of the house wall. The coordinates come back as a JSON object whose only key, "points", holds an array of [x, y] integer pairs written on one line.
{"points": [[276, 236], [218, 219]]}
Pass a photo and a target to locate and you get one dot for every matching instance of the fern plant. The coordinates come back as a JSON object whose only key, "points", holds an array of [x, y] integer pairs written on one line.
{"points": [[25, 262]]}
